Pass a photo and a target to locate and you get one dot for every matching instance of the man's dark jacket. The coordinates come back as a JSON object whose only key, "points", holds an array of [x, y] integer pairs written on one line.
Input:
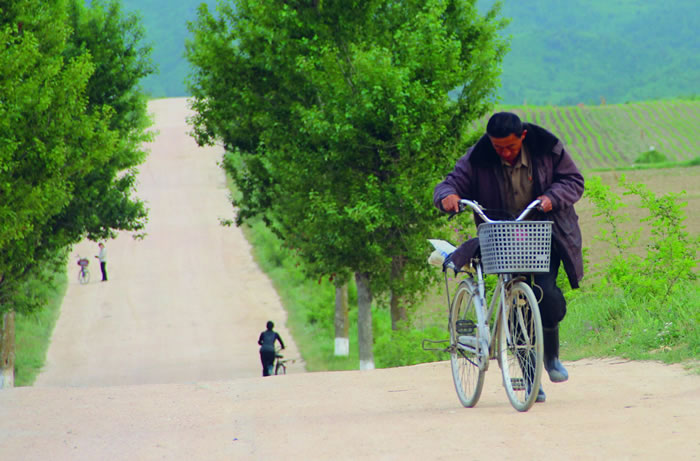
{"points": [[478, 175]]}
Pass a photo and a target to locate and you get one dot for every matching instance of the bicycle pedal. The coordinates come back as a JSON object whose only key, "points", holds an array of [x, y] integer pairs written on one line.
{"points": [[518, 384], [465, 327]]}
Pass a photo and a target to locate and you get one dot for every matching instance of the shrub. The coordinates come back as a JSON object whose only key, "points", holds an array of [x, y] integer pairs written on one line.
{"points": [[651, 156]]}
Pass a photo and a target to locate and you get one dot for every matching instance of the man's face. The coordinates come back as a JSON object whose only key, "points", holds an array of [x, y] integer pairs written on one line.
{"points": [[508, 148]]}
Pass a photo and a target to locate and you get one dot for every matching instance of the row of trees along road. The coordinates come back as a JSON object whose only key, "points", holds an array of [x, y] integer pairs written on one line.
{"points": [[337, 119], [72, 123]]}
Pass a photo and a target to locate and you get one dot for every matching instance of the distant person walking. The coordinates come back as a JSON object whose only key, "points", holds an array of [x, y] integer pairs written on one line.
{"points": [[102, 256], [267, 348]]}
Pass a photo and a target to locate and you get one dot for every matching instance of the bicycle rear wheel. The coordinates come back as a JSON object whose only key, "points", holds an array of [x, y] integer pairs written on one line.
{"points": [[83, 276], [520, 346], [464, 340], [280, 368]]}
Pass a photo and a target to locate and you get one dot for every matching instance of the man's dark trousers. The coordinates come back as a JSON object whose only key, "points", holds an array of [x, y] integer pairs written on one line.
{"points": [[552, 305]]}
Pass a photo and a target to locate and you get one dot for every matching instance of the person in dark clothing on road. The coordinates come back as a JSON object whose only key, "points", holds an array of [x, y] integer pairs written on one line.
{"points": [[510, 166], [267, 348]]}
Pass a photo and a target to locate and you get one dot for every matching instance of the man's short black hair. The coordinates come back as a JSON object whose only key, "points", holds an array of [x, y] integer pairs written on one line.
{"points": [[270, 325], [503, 124]]}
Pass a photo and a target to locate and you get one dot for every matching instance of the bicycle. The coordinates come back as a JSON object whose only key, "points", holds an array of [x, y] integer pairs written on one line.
{"points": [[280, 364], [508, 249], [83, 273]]}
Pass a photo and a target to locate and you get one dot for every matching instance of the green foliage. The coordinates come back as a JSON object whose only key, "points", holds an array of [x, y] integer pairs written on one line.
{"points": [[42, 122], [611, 322], [114, 40], [33, 330], [672, 251], [651, 156], [402, 347], [66, 161], [671, 254], [338, 121], [641, 302]]}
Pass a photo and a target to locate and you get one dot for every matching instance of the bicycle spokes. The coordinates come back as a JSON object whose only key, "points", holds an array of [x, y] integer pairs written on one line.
{"points": [[465, 356], [521, 347]]}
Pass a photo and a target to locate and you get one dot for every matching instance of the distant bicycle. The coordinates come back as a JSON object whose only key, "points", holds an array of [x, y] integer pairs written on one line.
{"points": [[83, 273], [280, 363]]}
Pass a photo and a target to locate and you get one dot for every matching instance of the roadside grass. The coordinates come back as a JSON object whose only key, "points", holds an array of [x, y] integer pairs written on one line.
{"points": [[606, 323], [33, 332]]}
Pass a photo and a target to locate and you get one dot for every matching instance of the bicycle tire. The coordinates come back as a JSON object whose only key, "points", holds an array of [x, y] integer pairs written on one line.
{"points": [[520, 346], [467, 375], [83, 276], [280, 366]]}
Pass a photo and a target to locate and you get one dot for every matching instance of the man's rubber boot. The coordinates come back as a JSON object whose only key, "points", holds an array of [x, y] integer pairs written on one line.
{"points": [[555, 369], [541, 396]]}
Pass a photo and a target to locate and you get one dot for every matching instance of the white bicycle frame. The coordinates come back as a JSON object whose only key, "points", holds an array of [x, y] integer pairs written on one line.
{"points": [[486, 346]]}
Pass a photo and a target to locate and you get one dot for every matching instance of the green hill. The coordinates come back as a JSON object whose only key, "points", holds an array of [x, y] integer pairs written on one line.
{"points": [[579, 51], [562, 52], [615, 135]]}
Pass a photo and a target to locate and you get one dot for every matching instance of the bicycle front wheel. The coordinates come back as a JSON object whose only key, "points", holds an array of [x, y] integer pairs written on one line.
{"points": [[465, 359], [280, 369], [83, 276], [520, 346]]}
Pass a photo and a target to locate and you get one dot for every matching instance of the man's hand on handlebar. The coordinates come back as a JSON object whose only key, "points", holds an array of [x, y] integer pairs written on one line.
{"points": [[451, 203], [545, 203]]}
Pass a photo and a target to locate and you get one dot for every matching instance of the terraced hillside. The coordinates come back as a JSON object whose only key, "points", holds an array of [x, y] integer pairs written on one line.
{"points": [[608, 136]]}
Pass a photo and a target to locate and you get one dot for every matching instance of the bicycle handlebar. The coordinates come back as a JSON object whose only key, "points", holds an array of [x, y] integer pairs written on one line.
{"points": [[478, 209]]}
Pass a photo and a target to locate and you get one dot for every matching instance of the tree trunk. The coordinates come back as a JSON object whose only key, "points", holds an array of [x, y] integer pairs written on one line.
{"points": [[342, 337], [7, 350], [398, 312], [364, 321]]}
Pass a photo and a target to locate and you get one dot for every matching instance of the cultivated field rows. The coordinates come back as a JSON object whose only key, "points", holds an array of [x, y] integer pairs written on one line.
{"points": [[608, 136]]}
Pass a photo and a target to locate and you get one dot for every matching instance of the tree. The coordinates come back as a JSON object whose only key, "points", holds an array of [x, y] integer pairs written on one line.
{"points": [[68, 162], [339, 121]]}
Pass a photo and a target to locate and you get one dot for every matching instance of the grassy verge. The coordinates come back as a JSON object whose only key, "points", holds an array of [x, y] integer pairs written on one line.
{"points": [[601, 324], [33, 333]]}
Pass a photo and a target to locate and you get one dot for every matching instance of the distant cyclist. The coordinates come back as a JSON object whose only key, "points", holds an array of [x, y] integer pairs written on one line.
{"points": [[267, 348]]}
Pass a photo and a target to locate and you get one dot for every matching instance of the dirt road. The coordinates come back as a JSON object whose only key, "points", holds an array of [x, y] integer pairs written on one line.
{"points": [[185, 304], [160, 362]]}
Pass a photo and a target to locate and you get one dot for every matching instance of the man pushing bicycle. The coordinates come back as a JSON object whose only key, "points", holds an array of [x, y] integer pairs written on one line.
{"points": [[510, 166]]}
